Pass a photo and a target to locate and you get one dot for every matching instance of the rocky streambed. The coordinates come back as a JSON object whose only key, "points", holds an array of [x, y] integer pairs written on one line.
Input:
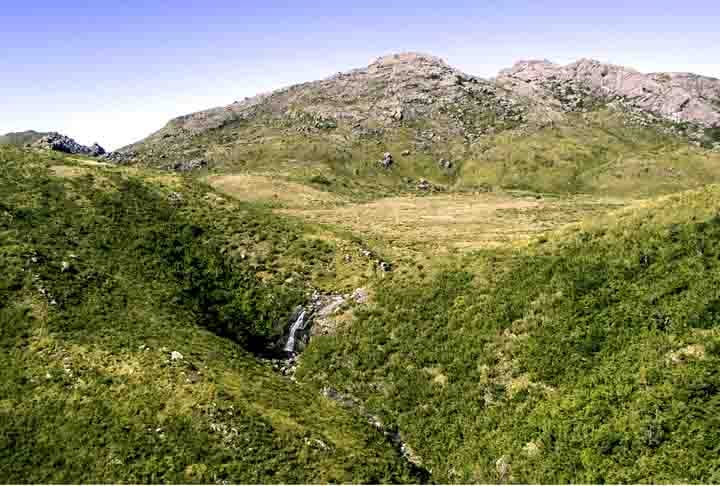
{"points": [[318, 317]]}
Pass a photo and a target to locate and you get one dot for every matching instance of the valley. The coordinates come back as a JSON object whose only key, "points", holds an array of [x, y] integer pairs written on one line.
{"points": [[398, 274]]}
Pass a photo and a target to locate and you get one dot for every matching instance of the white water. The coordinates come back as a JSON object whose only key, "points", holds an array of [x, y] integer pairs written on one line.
{"points": [[297, 325]]}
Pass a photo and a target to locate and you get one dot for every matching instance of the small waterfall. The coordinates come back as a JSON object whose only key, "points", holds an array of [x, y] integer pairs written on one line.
{"points": [[298, 325]]}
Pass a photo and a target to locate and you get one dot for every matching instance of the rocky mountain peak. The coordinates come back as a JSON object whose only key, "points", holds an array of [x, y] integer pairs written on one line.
{"points": [[390, 91], [410, 60]]}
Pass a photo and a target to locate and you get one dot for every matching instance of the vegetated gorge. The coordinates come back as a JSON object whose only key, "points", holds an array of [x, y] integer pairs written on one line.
{"points": [[399, 274]]}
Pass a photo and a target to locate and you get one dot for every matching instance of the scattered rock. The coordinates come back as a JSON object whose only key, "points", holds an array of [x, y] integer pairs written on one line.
{"points": [[424, 185], [387, 160], [96, 150], [405, 153], [502, 466], [385, 267], [691, 352], [317, 443], [330, 305], [445, 164], [176, 356], [175, 198], [120, 157], [334, 395], [327, 310], [532, 449], [189, 165], [360, 296], [65, 266]]}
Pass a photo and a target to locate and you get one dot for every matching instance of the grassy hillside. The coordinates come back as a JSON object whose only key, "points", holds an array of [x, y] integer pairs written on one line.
{"points": [[131, 306], [20, 139], [591, 356], [600, 153], [512, 342]]}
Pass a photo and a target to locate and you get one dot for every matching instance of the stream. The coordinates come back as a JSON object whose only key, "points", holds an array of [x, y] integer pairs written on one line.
{"points": [[320, 310], [296, 326]]}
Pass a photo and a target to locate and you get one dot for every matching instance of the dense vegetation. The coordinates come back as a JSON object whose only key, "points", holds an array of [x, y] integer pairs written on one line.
{"points": [[593, 356], [118, 291]]}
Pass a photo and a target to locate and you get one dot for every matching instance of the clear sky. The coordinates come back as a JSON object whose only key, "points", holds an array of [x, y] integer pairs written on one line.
{"points": [[114, 71]]}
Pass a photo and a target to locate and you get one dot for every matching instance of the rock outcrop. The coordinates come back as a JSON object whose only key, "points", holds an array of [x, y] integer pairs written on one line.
{"points": [[680, 98], [65, 144]]}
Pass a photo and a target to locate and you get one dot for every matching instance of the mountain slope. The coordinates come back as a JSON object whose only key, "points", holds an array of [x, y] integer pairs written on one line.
{"points": [[590, 357], [131, 305], [404, 87], [455, 130]]}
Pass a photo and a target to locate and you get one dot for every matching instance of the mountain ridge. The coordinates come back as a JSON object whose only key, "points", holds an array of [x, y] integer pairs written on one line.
{"points": [[419, 104], [421, 64]]}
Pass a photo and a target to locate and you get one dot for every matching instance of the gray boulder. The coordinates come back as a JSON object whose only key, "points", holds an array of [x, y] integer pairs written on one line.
{"points": [[424, 185], [189, 165], [96, 150], [445, 164]]}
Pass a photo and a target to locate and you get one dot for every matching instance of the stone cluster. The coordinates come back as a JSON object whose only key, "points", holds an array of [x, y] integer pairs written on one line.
{"points": [[61, 143]]}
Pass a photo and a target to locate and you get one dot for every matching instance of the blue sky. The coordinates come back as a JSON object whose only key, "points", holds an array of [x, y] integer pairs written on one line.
{"points": [[114, 71]]}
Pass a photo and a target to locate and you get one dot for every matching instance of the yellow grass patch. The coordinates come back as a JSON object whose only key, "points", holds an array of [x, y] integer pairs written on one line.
{"points": [[457, 221], [273, 189], [68, 171]]}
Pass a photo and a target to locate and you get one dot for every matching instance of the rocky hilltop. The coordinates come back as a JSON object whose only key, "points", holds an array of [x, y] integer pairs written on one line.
{"points": [[396, 89]]}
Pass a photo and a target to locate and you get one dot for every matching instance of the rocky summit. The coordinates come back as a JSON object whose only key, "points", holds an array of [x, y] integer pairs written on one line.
{"points": [[393, 91]]}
